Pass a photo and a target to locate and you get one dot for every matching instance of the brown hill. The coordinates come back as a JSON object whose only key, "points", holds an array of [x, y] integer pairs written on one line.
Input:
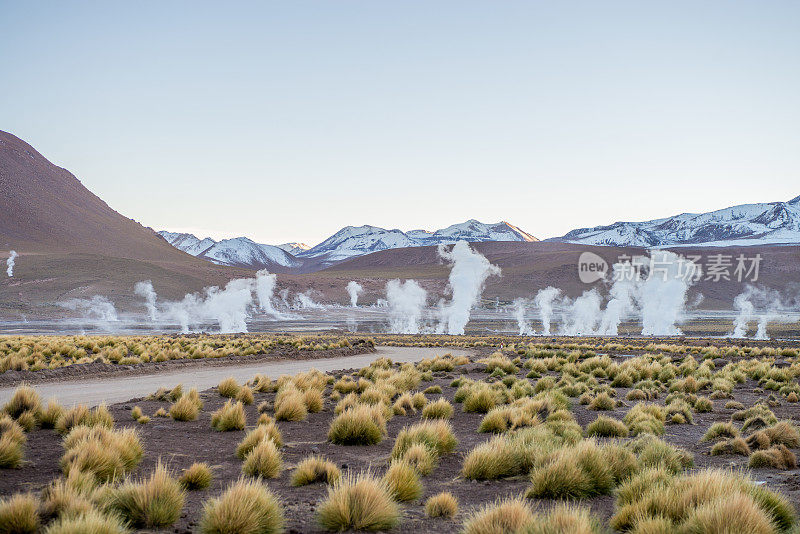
{"points": [[71, 243]]}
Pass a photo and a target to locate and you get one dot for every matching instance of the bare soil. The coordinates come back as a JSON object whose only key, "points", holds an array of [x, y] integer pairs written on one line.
{"points": [[182, 443]]}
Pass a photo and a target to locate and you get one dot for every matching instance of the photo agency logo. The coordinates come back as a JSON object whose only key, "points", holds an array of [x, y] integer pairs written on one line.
{"points": [[591, 268], [665, 265]]}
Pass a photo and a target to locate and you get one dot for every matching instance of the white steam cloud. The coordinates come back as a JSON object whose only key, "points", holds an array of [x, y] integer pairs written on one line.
{"points": [[762, 305], [145, 290], [662, 295], [520, 306], [304, 301], [354, 289], [12, 257], [467, 276], [582, 315], [544, 301], [229, 307], [406, 302], [265, 291], [97, 308]]}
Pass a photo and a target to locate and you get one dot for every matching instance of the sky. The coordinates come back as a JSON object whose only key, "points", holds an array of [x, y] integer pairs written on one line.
{"points": [[285, 121]]}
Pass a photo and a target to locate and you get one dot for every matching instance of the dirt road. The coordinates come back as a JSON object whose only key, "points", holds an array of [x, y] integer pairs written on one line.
{"points": [[120, 389]]}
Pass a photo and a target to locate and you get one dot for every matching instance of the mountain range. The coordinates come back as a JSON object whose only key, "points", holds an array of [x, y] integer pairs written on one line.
{"points": [[347, 243], [770, 223]]}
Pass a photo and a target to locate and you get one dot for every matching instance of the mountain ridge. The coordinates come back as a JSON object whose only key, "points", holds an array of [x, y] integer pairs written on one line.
{"points": [[349, 242], [767, 223]]}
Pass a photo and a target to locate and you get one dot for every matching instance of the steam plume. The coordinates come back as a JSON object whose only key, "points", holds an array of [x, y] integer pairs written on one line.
{"points": [[12, 256], [304, 301], [145, 289], [406, 301], [662, 295], [762, 305], [97, 308], [582, 315], [467, 276], [520, 305], [353, 289], [544, 303], [621, 299], [265, 290]]}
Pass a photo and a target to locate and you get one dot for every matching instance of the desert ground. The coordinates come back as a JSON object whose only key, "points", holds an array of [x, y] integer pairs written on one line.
{"points": [[480, 434]]}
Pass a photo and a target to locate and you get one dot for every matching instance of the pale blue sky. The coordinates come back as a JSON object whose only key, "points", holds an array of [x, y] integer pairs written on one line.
{"points": [[287, 120]]}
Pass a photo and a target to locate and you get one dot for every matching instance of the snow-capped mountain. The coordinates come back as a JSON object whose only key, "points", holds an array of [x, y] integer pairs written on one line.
{"points": [[349, 242], [238, 252], [352, 241], [187, 242], [243, 252], [769, 223], [294, 248]]}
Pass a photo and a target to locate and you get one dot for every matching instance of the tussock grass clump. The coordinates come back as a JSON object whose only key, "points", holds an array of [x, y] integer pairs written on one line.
{"points": [[441, 505], [510, 454], [433, 390], [584, 470], [607, 427], [777, 457], [739, 513], [421, 457], [506, 516], [136, 413], [361, 425], [68, 496], [436, 434], [80, 415], [359, 502], [403, 481], [246, 506], [50, 414], [693, 503], [156, 501], [654, 452], [245, 395], [264, 460], [257, 435], [290, 405], [438, 409], [645, 419], [24, 399], [11, 452], [185, 409], [104, 453], [12, 440], [89, 522], [229, 387], [197, 476], [720, 430], [315, 469], [229, 417], [564, 518], [480, 398], [19, 514], [601, 402], [313, 400], [731, 446]]}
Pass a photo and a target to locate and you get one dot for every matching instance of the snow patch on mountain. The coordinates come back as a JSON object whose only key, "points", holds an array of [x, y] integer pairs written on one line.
{"points": [[242, 251], [352, 241], [769, 223], [187, 242], [294, 248], [239, 252]]}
